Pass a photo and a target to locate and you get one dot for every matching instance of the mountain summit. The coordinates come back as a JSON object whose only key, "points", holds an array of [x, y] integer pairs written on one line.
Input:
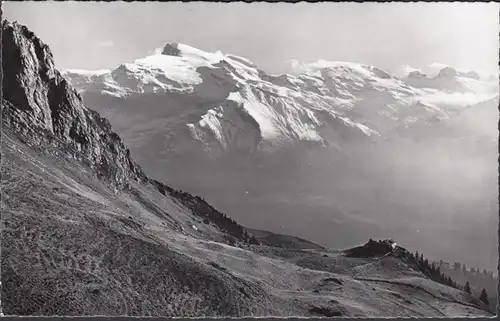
{"points": [[171, 49]]}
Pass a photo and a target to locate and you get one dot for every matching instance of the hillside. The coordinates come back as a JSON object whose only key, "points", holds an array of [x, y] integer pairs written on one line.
{"points": [[86, 232], [283, 241], [478, 280]]}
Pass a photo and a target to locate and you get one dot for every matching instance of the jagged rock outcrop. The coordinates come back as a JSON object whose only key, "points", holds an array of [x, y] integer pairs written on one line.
{"points": [[171, 49], [371, 249], [41, 107]]}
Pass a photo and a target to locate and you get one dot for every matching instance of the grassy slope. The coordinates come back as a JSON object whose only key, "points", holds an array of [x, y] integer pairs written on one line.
{"points": [[284, 241], [71, 246]]}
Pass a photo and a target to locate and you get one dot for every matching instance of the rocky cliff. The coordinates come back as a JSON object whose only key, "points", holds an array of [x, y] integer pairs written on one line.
{"points": [[42, 108]]}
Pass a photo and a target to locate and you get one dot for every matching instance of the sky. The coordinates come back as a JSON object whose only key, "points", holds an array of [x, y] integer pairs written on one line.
{"points": [[98, 35]]}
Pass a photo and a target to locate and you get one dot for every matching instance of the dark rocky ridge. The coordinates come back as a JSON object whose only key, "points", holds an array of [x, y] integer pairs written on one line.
{"points": [[42, 109], [370, 249], [171, 49]]}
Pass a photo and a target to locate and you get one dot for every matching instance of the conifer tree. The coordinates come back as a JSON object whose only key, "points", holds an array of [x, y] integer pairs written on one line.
{"points": [[467, 287], [484, 297]]}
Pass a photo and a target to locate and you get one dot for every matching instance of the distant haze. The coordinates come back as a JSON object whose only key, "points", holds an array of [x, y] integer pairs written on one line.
{"points": [[95, 35]]}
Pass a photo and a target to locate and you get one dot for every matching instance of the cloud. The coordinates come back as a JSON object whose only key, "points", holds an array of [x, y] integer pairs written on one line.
{"points": [[106, 43], [455, 99], [158, 51]]}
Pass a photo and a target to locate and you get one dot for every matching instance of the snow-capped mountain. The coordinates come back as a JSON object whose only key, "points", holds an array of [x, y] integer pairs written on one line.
{"points": [[450, 80], [320, 140], [238, 99], [240, 107]]}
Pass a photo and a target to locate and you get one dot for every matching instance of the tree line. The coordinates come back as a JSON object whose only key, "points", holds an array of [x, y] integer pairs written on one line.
{"points": [[480, 283], [439, 271], [202, 209]]}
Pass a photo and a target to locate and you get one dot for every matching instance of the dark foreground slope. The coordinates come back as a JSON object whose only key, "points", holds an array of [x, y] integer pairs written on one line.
{"points": [[76, 214], [85, 232]]}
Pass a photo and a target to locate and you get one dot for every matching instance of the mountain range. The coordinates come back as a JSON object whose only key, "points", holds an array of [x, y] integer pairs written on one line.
{"points": [[87, 231], [336, 150]]}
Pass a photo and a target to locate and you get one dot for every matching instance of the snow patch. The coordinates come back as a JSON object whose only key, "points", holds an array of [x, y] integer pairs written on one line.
{"points": [[340, 68], [260, 112], [85, 72], [211, 120]]}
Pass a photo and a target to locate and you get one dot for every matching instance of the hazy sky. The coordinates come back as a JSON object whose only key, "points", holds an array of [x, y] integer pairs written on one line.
{"points": [[94, 35]]}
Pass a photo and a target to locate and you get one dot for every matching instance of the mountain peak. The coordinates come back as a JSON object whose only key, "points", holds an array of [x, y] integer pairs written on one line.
{"points": [[326, 64], [171, 49]]}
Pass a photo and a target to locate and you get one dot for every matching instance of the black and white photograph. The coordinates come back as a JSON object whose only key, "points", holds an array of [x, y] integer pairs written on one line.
{"points": [[210, 159]]}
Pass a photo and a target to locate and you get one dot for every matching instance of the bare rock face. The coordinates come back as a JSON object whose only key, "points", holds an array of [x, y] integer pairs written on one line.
{"points": [[416, 75], [43, 109], [171, 49]]}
